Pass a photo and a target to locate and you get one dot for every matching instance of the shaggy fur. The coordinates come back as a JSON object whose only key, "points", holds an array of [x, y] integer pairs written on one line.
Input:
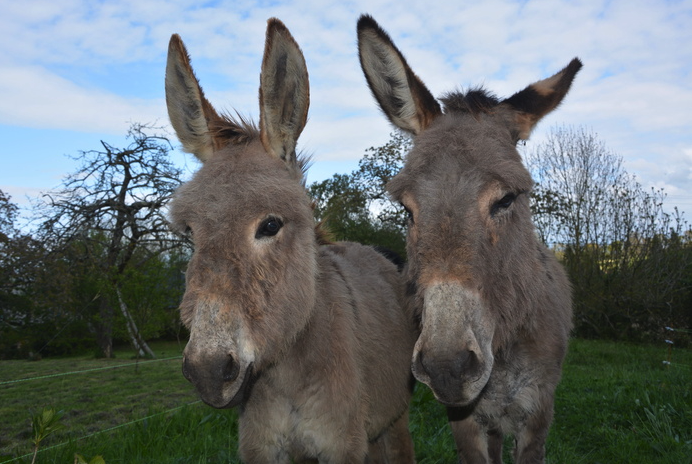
{"points": [[494, 303], [312, 342]]}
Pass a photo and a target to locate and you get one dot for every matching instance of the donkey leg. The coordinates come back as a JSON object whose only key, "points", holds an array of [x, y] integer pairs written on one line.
{"points": [[495, 438], [470, 438], [530, 441], [394, 446], [258, 442], [268, 455], [339, 450]]}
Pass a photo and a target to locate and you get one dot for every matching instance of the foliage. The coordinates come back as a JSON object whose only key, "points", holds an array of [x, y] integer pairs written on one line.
{"points": [[8, 215], [79, 459], [44, 424], [153, 292], [617, 402], [356, 207], [627, 258], [21, 263]]}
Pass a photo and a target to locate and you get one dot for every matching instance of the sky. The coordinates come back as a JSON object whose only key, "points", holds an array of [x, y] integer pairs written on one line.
{"points": [[74, 73]]}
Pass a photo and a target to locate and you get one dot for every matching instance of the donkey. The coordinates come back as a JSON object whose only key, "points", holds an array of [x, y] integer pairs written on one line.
{"points": [[311, 341], [494, 303]]}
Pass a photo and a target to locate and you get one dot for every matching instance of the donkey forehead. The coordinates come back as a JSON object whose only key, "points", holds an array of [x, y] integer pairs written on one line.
{"points": [[233, 185], [461, 153]]}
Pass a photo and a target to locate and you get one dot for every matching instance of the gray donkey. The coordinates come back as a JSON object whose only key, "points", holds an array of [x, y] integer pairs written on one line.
{"points": [[311, 341], [494, 303]]}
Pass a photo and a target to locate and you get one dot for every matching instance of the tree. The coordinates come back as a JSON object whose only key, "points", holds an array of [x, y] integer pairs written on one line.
{"points": [[11, 301], [356, 207], [8, 215], [377, 167], [113, 206], [620, 247]]}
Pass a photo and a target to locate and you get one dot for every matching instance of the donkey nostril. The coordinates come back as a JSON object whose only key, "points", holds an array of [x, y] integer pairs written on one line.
{"points": [[468, 363], [231, 370]]}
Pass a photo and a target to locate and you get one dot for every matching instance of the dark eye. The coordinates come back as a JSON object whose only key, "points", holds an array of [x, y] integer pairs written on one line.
{"points": [[269, 227], [503, 203], [409, 214]]}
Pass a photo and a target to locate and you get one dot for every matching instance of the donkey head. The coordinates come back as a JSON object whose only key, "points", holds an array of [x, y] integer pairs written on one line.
{"points": [[470, 231], [250, 282]]}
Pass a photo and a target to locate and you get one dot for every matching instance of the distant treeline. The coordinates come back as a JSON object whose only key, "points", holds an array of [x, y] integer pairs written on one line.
{"points": [[102, 267]]}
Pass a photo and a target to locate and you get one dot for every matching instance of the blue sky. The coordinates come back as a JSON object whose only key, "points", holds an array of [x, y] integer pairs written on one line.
{"points": [[74, 72]]}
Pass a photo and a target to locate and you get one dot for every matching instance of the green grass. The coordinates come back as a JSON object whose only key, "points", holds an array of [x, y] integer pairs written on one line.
{"points": [[617, 403]]}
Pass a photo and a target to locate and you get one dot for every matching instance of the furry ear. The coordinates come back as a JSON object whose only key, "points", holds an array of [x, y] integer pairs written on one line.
{"points": [[403, 97], [188, 109], [540, 98], [284, 93]]}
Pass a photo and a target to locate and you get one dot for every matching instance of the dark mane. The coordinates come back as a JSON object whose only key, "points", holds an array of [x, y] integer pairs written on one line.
{"points": [[475, 101], [237, 130]]}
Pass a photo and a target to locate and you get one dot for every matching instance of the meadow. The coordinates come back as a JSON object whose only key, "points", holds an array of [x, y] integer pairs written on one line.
{"points": [[617, 403]]}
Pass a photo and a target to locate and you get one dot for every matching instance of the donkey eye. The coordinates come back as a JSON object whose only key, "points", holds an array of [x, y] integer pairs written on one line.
{"points": [[409, 214], [269, 227], [503, 203], [185, 230]]}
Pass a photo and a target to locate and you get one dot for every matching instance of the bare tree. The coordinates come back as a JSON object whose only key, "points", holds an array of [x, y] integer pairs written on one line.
{"points": [[114, 204], [614, 236]]}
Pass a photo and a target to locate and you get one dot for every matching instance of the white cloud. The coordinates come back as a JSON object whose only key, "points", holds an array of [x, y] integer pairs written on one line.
{"points": [[33, 97], [634, 90]]}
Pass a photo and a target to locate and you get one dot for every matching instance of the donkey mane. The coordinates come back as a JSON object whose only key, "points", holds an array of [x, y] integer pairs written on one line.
{"points": [[235, 130], [476, 101], [238, 130]]}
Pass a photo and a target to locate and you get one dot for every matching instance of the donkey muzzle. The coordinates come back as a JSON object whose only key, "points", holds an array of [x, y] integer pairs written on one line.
{"points": [[449, 376], [221, 381], [453, 354]]}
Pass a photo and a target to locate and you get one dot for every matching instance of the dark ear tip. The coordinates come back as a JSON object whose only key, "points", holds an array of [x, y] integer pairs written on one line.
{"points": [[275, 28], [176, 47], [175, 42], [367, 22], [575, 65], [275, 24]]}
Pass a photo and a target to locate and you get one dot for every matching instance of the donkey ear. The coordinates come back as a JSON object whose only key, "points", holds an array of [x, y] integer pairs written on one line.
{"points": [[188, 109], [403, 97], [284, 93], [540, 98]]}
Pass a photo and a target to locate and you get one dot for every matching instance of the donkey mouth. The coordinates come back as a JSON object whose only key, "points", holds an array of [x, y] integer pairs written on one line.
{"points": [[455, 401], [215, 394], [243, 393]]}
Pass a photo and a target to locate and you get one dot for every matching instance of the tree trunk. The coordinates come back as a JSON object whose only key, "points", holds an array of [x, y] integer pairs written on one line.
{"points": [[138, 343], [104, 329]]}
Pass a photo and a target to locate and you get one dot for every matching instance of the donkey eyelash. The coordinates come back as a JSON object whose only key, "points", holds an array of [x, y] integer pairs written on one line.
{"points": [[409, 213], [504, 203], [183, 229]]}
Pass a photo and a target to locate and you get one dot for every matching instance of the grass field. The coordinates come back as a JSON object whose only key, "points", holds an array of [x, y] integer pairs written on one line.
{"points": [[617, 403]]}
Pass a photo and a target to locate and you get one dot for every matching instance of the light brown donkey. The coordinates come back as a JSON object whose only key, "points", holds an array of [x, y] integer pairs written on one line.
{"points": [[312, 342], [494, 303]]}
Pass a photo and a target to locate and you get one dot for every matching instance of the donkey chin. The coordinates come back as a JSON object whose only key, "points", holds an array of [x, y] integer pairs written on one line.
{"points": [[453, 354], [222, 380]]}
